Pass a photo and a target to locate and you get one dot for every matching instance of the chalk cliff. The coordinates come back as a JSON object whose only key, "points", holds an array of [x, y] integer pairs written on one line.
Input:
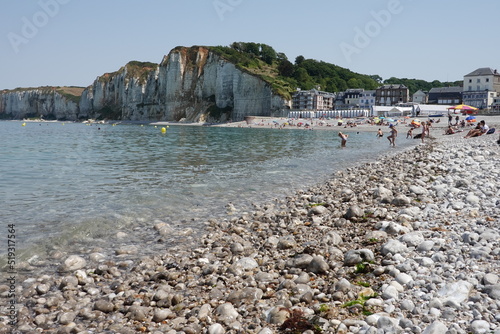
{"points": [[192, 84], [45, 102]]}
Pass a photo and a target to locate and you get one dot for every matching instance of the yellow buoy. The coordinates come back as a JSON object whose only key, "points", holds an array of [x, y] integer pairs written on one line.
{"points": [[24, 124], [163, 130]]}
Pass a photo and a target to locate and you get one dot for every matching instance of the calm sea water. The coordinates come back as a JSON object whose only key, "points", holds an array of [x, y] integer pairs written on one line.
{"points": [[73, 186]]}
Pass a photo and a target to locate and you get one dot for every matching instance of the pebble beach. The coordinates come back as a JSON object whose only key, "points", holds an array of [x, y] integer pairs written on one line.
{"points": [[409, 243]]}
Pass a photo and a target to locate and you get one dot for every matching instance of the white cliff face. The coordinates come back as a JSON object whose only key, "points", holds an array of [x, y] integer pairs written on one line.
{"points": [[191, 84], [45, 103]]}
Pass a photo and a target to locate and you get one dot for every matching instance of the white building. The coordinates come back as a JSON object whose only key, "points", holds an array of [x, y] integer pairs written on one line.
{"points": [[313, 100], [481, 87], [367, 99], [420, 97]]}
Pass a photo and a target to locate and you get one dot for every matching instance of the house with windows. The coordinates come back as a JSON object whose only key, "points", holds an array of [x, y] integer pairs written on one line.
{"points": [[367, 99], [445, 95], [390, 95], [313, 99], [420, 97], [352, 97], [481, 87]]}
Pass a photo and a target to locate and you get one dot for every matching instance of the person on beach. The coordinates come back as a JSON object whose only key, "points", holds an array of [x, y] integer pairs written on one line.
{"points": [[393, 135], [424, 131], [380, 134], [457, 119], [343, 139], [449, 131], [479, 130], [409, 134]]}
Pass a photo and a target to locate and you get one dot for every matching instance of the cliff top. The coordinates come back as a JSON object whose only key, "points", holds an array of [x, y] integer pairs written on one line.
{"points": [[71, 90], [133, 69]]}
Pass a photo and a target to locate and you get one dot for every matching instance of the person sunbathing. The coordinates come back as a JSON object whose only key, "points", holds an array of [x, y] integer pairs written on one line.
{"points": [[449, 131], [479, 130]]}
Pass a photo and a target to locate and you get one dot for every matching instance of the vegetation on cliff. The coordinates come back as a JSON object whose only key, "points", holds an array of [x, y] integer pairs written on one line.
{"points": [[133, 69], [72, 93], [415, 84], [285, 77]]}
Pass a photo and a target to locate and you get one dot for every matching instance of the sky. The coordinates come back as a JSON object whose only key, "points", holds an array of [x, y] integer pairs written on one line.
{"points": [[72, 42]]}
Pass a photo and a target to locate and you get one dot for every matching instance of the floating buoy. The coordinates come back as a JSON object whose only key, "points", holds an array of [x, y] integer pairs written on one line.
{"points": [[163, 130], [24, 124]]}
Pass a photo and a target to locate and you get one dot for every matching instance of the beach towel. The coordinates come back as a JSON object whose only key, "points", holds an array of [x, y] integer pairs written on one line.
{"points": [[490, 131]]}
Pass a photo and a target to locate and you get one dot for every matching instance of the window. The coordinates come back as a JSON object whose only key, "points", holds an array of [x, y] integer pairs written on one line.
{"points": [[487, 79], [470, 80], [478, 80]]}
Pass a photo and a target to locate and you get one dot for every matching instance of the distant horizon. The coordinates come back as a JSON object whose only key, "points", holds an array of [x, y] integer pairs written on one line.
{"points": [[71, 43]]}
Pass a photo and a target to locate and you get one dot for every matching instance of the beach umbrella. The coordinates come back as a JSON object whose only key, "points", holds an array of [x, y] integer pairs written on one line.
{"points": [[463, 107], [468, 118], [389, 120]]}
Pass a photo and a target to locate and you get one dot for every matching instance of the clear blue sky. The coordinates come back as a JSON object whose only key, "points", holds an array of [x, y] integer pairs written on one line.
{"points": [[71, 42]]}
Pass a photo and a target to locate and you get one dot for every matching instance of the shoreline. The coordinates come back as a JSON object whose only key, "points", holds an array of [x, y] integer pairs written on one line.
{"points": [[409, 230]]}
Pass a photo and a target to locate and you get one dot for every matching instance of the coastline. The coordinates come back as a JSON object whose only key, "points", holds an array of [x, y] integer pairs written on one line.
{"points": [[418, 226]]}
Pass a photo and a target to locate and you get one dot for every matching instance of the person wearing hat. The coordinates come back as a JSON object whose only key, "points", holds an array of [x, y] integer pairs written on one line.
{"points": [[393, 135]]}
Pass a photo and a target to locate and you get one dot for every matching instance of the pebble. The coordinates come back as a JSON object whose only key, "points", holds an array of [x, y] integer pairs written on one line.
{"points": [[412, 249]]}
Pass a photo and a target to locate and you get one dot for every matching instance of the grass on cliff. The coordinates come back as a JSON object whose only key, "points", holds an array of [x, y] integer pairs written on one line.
{"points": [[255, 65], [134, 69], [71, 93]]}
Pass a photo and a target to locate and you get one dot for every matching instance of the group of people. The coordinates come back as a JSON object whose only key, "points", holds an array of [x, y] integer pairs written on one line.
{"points": [[479, 130]]}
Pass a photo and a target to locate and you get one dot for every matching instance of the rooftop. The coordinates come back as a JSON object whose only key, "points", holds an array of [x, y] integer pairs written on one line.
{"points": [[482, 71], [393, 86], [454, 89]]}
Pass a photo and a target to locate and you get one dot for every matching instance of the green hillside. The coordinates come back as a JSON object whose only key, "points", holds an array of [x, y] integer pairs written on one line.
{"points": [[285, 77]]}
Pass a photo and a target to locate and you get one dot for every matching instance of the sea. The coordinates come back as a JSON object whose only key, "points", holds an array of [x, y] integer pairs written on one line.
{"points": [[74, 187]]}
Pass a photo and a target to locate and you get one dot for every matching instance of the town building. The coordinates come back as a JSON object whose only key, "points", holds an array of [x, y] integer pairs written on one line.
{"points": [[352, 97], [496, 104], [420, 97], [481, 87], [445, 95], [313, 99], [367, 99], [389, 95]]}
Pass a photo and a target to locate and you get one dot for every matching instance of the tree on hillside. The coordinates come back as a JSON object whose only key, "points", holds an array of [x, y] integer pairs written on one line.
{"points": [[267, 54], [376, 78], [286, 68], [299, 60]]}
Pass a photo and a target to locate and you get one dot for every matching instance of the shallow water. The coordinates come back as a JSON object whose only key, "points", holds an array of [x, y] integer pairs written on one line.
{"points": [[74, 186]]}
